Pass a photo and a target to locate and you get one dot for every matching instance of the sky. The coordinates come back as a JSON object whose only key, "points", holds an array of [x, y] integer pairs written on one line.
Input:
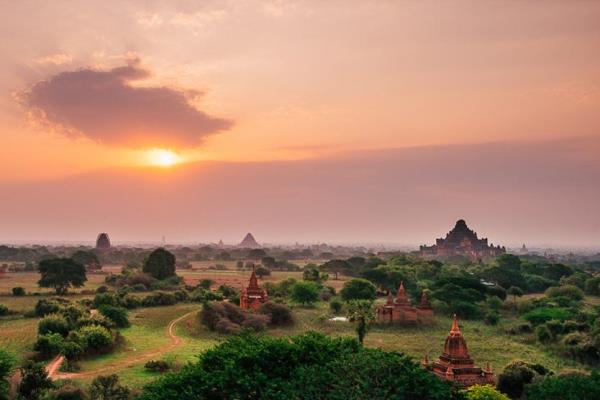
{"points": [[339, 121]]}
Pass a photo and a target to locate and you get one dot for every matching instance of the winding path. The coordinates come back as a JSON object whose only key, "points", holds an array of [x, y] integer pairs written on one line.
{"points": [[53, 367]]}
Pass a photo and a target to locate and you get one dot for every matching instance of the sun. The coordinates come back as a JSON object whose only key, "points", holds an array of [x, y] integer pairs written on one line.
{"points": [[163, 158]]}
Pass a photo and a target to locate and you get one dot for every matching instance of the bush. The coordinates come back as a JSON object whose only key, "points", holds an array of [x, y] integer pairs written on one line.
{"points": [[484, 392], [7, 363], [540, 315], [95, 338], [102, 289], [592, 286], [18, 291], [492, 318], [45, 307], [139, 287], [3, 310], [118, 315], [227, 290], [255, 322], [569, 291], [71, 350], [108, 388], [53, 323], [159, 299], [336, 305], [159, 366], [279, 314], [514, 377], [68, 391], [543, 334], [49, 345], [105, 299], [569, 387]]}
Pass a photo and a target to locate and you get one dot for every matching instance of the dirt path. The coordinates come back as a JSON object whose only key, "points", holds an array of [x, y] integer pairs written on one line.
{"points": [[117, 365]]}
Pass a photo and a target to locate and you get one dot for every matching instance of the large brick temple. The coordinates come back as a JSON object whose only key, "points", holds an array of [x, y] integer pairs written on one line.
{"points": [[456, 365], [401, 310], [253, 296], [462, 242]]}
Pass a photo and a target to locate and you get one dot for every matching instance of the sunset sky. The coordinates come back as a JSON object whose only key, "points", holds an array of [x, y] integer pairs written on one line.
{"points": [[341, 121]]}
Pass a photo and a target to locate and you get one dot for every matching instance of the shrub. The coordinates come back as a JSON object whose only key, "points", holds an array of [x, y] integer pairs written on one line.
{"points": [[44, 307], [67, 391], [279, 314], [34, 381], [484, 392], [96, 338], [492, 318], [336, 305], [543, 334], [568, 291], [160, 366], [118, 315], [227, 290], [592, 286], [95, 320], [130, 302], [514, 377], [18, 291], [567, 387], [49, 345], [206, 283], [255, 322], [3, 310], [540, 315], [139, 287], [71, 350], [53, 323], [102, 289], [108, 387], [105, 299], [159, 299]]}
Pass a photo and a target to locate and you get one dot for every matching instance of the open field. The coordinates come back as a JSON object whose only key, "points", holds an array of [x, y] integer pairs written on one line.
{"points": [[173, 333]]}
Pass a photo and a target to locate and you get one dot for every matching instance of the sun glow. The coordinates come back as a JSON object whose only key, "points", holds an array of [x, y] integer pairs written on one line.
{"points": [[163, 158]]}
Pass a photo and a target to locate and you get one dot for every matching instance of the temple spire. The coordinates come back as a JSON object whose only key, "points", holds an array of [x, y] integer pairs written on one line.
{"points": [[455, 329], [253, 281]]}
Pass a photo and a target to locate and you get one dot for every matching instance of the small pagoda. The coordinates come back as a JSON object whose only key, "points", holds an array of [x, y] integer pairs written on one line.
{"points": [[253, 296], [456, 365], [400, 310]]}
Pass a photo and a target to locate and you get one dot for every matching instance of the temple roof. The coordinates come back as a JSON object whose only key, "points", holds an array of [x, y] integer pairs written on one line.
{"points": [[456, 346]]}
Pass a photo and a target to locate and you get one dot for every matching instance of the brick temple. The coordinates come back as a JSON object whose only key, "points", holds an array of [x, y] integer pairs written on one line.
{"points": [[253, 296], [456, 365], [463, 242], [401, 310]]}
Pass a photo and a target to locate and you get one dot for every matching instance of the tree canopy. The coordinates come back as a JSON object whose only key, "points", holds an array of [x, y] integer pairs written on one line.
{"points": [[300, 367], [358, 289], [160, 264], [61, 274]]}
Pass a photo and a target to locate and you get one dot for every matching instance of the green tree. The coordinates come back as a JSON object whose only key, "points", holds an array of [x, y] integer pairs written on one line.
{"points": [[34, 381], [566, 387], [358, 289], [305, 292], [515, 292], [88, 259], [484, 392], [108, 388], [160, 264], [336, 267], [118, 315], [362, 313], [7, 363], [61, 274], [261, 272]]}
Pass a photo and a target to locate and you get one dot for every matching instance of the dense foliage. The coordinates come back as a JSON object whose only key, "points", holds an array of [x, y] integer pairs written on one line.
{"points": [[160, 264], [311, 366], [61, 274]]}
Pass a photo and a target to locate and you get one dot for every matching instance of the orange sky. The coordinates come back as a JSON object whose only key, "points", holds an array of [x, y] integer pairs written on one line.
{"points": [[86, 86]]}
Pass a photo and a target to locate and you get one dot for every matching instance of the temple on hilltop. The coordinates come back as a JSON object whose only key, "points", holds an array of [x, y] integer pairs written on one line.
{"points": [[456, 365], [463, 242], [249, 242], [400, 310], [102, 241], [253, 296]]}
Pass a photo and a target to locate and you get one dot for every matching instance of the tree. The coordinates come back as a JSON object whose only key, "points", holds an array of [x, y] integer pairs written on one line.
{"points": [[262, 272], [256, 254], [484, 392], [34, 381], [309, 366], [87, 258], [361, 312], [515, 292], [516, 375], [305, 292], [7, 364], [336, 267], [61, 274], [108, 388], [566, 387], [358, 289], [160, 264]]}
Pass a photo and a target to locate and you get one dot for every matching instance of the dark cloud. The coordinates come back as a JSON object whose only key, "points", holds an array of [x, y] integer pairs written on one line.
{"points": [[104, 106]]}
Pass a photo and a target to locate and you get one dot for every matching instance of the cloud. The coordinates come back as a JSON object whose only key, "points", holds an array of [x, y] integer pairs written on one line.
{"points": [[105, 107]]}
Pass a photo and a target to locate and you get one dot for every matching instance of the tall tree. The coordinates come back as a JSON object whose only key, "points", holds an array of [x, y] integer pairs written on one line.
{"points": [[362, 313], [61, 274], [160, 264]]}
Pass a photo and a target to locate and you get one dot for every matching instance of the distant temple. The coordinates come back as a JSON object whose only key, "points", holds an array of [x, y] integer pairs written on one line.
{"points": [[253, 296], [400, 310], [103, 242], [456, 365], [463, 242], [249, 242]]}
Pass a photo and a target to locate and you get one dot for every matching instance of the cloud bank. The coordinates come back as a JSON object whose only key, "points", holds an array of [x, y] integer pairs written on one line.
{"points": [[105, 107]]}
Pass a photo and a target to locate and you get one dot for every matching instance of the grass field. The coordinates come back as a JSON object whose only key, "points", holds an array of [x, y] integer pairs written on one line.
{"points": [[148, 337]]}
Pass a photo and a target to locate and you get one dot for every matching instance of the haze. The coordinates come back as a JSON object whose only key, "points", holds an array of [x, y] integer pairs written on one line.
{"points": [[353, 121]]}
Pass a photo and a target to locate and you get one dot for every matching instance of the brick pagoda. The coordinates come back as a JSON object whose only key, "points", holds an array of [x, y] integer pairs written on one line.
{"points": [[253, 296], [401, 310], [456, 365]]}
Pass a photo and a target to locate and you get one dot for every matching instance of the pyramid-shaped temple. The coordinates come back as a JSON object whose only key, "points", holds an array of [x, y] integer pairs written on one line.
{"points": [[249, 242], [253, 296], [456, 365]]}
